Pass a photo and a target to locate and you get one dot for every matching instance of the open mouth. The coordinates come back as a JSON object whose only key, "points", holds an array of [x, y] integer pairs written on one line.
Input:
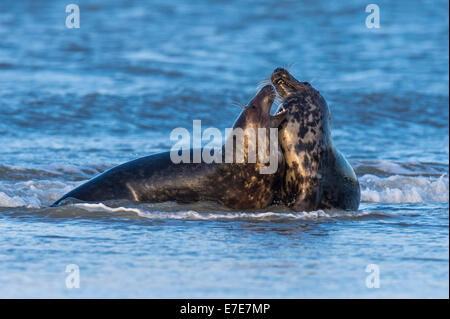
{"points": [[280, 81], [283, 84], [280, 112]]}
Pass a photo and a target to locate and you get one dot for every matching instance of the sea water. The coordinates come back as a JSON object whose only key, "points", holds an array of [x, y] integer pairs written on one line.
{"points": [[75, 102]]}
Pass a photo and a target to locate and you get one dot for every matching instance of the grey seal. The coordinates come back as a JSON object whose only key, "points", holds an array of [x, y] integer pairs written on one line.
{"points": [[156, 178], [317, 175]]}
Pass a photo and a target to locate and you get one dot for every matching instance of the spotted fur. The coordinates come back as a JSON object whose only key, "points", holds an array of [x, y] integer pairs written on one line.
{"points": [[317, 175]]}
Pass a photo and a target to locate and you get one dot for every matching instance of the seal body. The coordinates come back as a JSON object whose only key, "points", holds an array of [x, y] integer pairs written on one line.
{"points": [[157, 178], [317, 175]]}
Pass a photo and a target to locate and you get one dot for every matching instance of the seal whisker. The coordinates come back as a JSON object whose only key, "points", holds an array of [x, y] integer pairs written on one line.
{"points": [[290, 66], [278, 101], [238, 104], [263, 83]]}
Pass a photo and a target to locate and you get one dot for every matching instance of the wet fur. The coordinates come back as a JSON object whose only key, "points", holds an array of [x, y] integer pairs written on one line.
{"points": [[317, 174]]}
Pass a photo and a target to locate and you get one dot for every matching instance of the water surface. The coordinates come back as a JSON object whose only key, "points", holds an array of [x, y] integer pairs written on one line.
{"points": [[75, 102]]}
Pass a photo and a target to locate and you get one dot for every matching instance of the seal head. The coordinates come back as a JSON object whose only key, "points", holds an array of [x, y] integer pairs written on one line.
{"points": [[259, 185], [256, 114]]}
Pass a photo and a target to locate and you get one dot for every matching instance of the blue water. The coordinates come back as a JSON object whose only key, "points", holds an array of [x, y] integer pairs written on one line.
{"points": [[74, 102]]}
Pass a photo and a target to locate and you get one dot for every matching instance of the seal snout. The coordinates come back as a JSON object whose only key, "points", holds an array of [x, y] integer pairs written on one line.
{"points": [[284, 83], [267, 91], [279, 76], [264, 98]]}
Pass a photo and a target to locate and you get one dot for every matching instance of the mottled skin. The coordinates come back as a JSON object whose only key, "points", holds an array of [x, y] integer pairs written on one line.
{"points": [[317, 174], [156, 178]]}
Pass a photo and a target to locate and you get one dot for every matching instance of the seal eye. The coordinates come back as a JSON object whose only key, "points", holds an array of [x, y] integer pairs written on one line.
{"points": [[253, 107]]}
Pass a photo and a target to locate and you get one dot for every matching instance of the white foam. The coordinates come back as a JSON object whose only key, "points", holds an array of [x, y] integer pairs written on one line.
{"points": [[193, 215], [8, 201], [404, 189], [32, 194], [102, 207]]}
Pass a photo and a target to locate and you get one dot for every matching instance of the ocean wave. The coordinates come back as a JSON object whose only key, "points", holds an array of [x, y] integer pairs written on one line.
{"points": [[389, 168], [33, 194], [12, 201], [40, 186], [404, 189], [48, 172]]}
